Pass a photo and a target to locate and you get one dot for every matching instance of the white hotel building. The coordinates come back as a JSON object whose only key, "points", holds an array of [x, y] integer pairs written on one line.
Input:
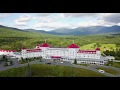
{"points": [[69, 53], [7, 52]]}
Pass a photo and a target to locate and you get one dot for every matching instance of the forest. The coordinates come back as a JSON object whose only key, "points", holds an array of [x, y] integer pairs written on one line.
{"points": [[14, 40]]}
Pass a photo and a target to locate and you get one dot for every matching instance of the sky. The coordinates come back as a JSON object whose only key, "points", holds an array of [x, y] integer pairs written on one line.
{"points": [[51, 21]]}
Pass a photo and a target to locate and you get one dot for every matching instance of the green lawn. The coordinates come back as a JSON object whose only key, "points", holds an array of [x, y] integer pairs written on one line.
{"points": [[103, 47], [109, 47], [83, 64], [88, 46], [41, 70], [111, 71]]}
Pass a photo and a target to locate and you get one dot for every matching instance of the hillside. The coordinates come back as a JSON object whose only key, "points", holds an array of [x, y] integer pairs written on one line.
{"points": [[87, 30], [12, 38], [13, 32], [15, 39]]}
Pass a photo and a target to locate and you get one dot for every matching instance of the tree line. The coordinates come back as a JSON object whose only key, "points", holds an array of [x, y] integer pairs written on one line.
{"points": [[114, 53]]}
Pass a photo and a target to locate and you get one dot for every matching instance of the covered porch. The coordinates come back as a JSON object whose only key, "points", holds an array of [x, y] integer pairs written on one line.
{"points": [[56, 58]]}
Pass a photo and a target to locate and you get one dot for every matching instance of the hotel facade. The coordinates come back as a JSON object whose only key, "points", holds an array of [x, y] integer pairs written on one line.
{"points": [[70, 53]]}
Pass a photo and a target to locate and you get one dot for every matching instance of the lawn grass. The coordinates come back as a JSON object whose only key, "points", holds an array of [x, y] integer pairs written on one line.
{"points": [[42, 70], [88, 47], [83, 64], [111, 71], [103, 47]]}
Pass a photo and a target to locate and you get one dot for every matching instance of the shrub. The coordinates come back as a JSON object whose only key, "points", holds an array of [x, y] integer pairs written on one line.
{"points": [[11, 62], [20, 61]]}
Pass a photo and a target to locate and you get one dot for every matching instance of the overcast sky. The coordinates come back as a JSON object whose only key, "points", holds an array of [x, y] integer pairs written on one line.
{"points": [[51, 21]]}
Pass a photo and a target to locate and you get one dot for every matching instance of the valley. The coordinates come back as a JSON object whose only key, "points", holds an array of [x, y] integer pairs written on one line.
{"points": [[15, 39]]}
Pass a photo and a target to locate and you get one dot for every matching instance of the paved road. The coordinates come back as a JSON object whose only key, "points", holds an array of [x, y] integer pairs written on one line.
{"points": [[116, 60], [100, 66], [1, 64], [65, 63], [15, 62]]}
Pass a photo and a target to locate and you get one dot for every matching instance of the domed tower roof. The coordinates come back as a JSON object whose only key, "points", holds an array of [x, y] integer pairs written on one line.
{"points": [[73, 46], [44, 45], [97, 49]]}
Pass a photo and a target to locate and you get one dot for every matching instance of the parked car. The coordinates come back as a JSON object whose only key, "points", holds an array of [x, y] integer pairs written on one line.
{"points": [[48, 63], [101, 71], [12, 56]]}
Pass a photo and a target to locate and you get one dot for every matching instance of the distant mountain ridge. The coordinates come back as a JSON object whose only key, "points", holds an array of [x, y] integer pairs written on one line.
{"points": [[1, 26], [82, 30], [77, 31]]}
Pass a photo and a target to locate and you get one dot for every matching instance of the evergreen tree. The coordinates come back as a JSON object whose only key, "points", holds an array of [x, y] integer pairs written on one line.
{"points": [[28, 71], [3, 57], [75, 61]]}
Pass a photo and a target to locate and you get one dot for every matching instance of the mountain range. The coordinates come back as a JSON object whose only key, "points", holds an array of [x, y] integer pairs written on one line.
{"points": [[77, 31]]}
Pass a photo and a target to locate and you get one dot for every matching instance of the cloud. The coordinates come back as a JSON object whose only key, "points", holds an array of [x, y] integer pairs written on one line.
{"points": [[50, 21], [48, 18], [3, 15], [80, 14], [43, 14], [45, 19], [17, 23], [94, 23], [52, 25], [22, 20], [107, 17], [112, 17], [104, 19], [2, 23]]}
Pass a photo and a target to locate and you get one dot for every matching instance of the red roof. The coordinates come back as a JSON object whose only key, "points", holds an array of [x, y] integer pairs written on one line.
{"points": [[34, 50], [73, 46], [97, 49], [44, 45], [87, 51], [55, 56], [8, 50], [13, 50]]}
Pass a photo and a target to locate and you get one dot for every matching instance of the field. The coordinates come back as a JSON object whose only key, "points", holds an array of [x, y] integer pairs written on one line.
{"points": [[41, 70]]}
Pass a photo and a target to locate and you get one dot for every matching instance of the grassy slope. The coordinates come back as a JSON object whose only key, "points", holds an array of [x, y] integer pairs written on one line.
{"points": [[41, 70], [111, 71], [103, 47], [6, 32], [88, 46]]}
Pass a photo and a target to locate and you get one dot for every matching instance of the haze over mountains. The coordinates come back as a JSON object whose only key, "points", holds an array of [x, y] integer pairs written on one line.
{"points": [[77, 31]]}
